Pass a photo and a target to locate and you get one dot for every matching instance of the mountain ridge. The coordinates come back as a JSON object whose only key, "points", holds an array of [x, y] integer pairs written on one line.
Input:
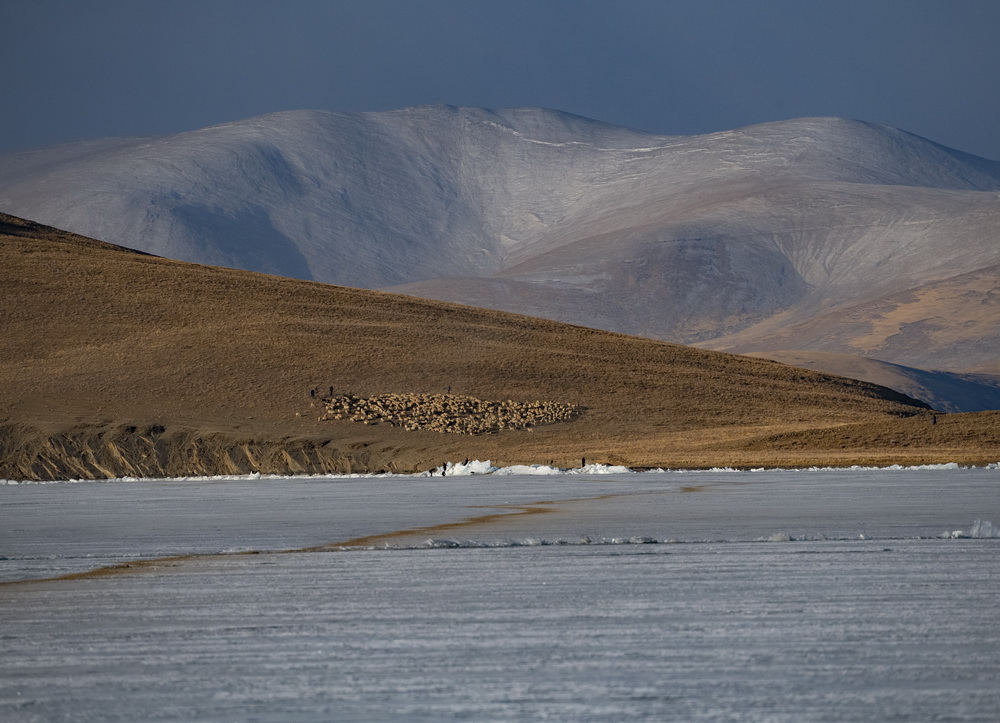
{"points": [[696, 239]]}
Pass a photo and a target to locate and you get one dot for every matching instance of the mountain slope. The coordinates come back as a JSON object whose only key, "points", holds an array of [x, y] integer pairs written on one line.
{"points": [[945, 391], [950, 324], [725, 239], [114, 362]]}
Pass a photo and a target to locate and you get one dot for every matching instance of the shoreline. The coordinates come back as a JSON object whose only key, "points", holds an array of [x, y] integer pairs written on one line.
{"points": [[35, 451], [476, 468]]}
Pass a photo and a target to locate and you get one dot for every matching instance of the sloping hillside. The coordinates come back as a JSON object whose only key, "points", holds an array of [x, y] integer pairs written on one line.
{"points": [[945, 391], [114, 362], [726, 239], [953, 323]]}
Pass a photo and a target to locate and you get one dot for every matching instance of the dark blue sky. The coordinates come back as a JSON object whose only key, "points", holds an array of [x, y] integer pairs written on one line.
{"points": [[89, 68]]}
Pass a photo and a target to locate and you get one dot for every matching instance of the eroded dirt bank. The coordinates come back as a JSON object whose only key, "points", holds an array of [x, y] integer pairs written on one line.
{"points": [[121, 450], [128, 451]]}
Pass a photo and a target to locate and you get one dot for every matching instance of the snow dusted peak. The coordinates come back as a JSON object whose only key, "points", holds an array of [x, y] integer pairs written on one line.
{"points": [[528, 124], [558, 126], [813, 149], [841, 149]]}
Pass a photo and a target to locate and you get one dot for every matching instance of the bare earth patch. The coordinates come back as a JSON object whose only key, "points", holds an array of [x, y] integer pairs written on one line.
{"points": [[453, 413]]}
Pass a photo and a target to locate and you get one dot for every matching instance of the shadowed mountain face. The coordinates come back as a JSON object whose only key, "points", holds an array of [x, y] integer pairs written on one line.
{"points": [[944, 391], [823, 233]]}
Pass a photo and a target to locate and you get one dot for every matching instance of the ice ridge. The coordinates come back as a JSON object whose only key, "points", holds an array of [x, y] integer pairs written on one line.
{"points": [[478, 467], [980, 529]]}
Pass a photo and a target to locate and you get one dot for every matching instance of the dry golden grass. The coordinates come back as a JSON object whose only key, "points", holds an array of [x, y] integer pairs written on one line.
{"points": [[117, 362]]}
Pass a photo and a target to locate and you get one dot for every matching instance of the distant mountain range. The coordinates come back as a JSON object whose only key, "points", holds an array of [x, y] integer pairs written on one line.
{"points": [[818, 234]]}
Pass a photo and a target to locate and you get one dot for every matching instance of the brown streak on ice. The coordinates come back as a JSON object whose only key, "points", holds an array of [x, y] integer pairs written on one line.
{"points": [[132, 566]]}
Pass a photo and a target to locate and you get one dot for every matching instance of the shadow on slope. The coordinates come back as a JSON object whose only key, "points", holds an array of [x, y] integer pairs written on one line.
{"points": [[243, 239], [944, 391]]}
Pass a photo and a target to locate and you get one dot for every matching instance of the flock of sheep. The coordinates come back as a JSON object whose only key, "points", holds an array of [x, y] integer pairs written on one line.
{"points": [[453, 413]]}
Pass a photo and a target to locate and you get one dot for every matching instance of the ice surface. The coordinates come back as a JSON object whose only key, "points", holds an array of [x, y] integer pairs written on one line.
{"points": [[844, 631], [55, 528], [51, 529], [777, 595]]}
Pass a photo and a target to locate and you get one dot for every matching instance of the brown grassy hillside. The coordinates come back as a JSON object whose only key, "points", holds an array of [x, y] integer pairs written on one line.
{"points": [[115, 362]]}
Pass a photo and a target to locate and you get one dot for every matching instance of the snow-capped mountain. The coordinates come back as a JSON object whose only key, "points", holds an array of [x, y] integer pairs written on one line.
{"points": [[862, 238]]}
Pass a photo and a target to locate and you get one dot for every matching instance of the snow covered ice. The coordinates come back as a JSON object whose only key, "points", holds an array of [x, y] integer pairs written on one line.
{"points": [[782, 595], [456, 469]]}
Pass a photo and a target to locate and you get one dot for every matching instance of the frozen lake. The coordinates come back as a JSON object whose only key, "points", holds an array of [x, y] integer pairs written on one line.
{"points": [[541, 608]]}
